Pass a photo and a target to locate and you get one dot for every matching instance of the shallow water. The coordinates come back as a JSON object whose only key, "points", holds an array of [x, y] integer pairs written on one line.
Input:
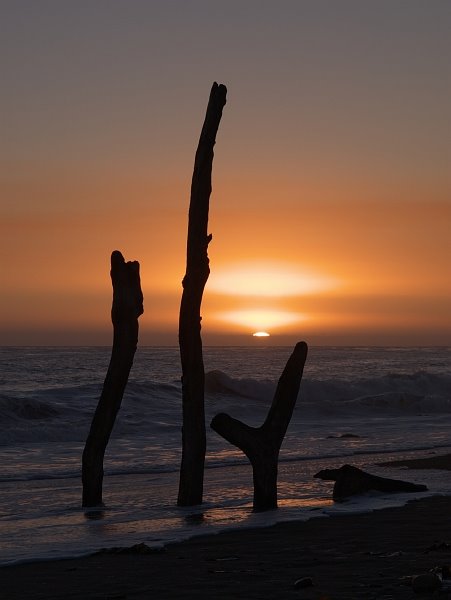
{"points": [[395, 400]]}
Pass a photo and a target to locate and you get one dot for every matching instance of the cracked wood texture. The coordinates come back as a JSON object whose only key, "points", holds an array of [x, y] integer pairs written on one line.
{"points": [[190, 341], [127, 307]]}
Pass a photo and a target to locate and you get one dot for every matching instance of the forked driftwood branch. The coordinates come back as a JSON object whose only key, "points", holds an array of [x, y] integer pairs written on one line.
{"points": [[262, 444], [190, 341], [127, 307]]}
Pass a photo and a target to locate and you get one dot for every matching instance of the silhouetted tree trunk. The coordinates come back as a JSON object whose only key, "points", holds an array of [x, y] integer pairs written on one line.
{"points": [[127, 307], [197, 272], [262, 444]]}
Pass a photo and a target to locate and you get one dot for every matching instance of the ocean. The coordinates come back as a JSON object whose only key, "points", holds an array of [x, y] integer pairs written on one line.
{"points": [[356, 405]]}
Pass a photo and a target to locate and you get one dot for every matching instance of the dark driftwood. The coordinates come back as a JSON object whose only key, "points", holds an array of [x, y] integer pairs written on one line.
{"points": [[350, 481], [197, 272], [262, 445], [127, 307]]}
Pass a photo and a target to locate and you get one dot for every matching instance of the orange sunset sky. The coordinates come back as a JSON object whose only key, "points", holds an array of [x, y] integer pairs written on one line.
{"points": [[331, 203]]}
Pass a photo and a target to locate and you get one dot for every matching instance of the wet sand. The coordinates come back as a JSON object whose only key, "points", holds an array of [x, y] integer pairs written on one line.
{"points": [[370, 556], [433, 462]]}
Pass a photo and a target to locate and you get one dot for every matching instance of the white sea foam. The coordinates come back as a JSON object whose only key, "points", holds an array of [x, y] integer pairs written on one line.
{"points": [[393, 402]]}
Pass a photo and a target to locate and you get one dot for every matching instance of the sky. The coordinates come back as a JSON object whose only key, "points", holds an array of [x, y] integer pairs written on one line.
{"points": [[331, 203]]}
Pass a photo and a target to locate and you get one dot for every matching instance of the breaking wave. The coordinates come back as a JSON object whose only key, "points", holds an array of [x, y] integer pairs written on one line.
{"points": [[152, 408]]}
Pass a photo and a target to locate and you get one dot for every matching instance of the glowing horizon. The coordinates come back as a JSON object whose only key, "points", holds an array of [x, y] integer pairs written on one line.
{"points": [[253, 319], [330, 210], [269, 278]]}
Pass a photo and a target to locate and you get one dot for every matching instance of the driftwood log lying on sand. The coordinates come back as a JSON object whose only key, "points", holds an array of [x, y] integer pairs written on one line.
{"points": [[350, 481]]}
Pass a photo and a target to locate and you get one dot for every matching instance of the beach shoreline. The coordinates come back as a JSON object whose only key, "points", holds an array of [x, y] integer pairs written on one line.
{"points": [[370, 555], [440, 461]]}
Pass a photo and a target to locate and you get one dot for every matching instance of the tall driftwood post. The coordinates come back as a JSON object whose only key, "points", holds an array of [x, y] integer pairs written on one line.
{"points": [[262, 444], [197, 272], [127, 307]]}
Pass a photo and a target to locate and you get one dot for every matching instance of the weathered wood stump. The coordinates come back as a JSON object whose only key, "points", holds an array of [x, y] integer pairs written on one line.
{"points": [[350, 481], [127, 307], [190, 341], [262, 444]]}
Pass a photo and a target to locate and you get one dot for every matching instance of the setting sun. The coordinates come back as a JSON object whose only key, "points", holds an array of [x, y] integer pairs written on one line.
{"points": [[172, 184], [332, 218], [265, 294]]}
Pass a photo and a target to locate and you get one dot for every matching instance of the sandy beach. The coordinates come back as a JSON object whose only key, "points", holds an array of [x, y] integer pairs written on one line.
{"points": [[371, 556], [442, 462]]}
